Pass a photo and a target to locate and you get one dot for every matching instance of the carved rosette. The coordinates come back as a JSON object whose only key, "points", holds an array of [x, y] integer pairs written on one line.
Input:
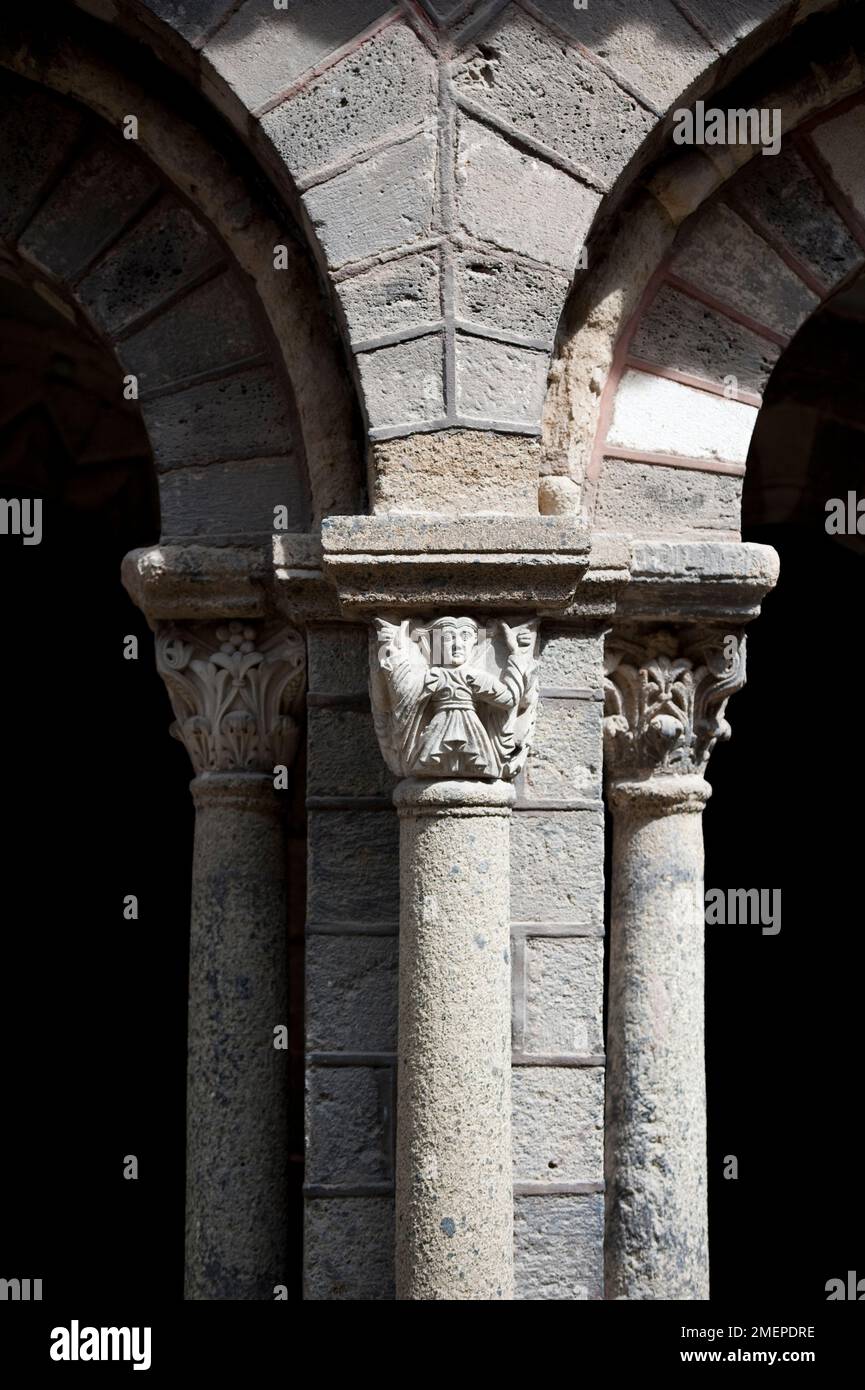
{"points": [[234, 692], [665, 693], [454, 697]]}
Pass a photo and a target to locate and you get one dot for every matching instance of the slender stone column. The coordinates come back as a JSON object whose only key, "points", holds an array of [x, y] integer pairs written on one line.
{"points": [[454, 707], [233, 693], [666, 694]]}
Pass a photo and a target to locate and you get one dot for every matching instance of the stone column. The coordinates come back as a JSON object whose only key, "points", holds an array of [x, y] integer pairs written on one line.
{"points": [[454, 705], [666, 692], [234, 692]]}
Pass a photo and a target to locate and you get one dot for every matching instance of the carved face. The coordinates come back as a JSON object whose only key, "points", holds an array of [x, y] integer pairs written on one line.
{"points": [[452, 646]]}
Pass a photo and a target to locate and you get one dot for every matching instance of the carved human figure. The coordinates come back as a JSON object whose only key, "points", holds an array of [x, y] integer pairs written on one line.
{"points": [[444, 707]]}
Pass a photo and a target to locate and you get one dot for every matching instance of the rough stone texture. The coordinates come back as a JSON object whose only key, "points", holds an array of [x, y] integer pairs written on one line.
{"points": [[558, 1247], [728, 21], [656, 415], [338, 659], [512, 295], [653, 48], [788, 200], [683, 335], [353, 859], [722, 255], [36, 134], [389, 84], [395, 297], [236, 1153], [646, 499], [839, 141], [229, 418], [656, 1243], [351, 993], [331, 731], [404, 385], [212, 327], [349, 1125], [100, 193], [496, 381], [564, 991], [349, 1249], [194, 19], [557, 867], [396, 190], [571, 660], [262, 51], [165, 252], [457, 472], [454, 1237], [566, 754], [555, 95], [231, 499], [519, 202], [558, 1124]]}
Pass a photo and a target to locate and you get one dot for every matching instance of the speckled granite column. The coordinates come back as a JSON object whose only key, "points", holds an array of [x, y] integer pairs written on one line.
{"points": [[666, 692], [233, 692], [454, 1233]]}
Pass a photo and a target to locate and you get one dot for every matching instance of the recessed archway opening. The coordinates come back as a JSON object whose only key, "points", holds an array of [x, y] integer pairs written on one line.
{"points": [[782, 1004]]}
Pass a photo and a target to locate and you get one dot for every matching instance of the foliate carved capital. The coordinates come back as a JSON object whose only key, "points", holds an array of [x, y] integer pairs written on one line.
{"points": [[454, 697], [234, 690], [665, 693]]}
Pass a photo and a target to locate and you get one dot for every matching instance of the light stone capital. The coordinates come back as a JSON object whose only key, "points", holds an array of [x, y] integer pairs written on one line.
{"points": [[454, 696], [665, 695], [235, 690]]}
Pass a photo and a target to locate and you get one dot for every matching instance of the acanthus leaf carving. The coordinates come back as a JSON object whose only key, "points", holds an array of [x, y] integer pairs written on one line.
{"points": [[234, 693], [453, 698], [665, 696]]}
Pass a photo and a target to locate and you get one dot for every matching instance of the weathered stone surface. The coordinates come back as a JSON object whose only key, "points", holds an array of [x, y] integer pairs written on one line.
{"points": [[519, 202], [683, 335], [496, 381], [513, 295], [353, 867], [339, 659], [557, 867], [236, 415], [647, 499], [164, 252], [349, 1249], [234, 499], [90, 205], [211, 327], [564, 990], [566, 754], [194, 19], [333, 769], [728, 21], [403, 385], [555, 95], [653, 48], [559, 1247], [351, 993], [722, 255], [399, 295], [36, 132], [839, 142], [558, 1124], [262, 51], [656, 415], [350, 1125], [395, 192], [457, 472], [783, 195], [570, 660], [388, 84]]}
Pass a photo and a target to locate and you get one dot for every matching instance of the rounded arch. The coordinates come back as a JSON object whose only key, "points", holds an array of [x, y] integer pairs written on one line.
{"points": [[166, 246]]}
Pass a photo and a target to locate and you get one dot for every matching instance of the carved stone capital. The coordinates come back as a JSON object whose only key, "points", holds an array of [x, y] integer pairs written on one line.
{"points": [[665, 693], [454, 697], [235, 690]]}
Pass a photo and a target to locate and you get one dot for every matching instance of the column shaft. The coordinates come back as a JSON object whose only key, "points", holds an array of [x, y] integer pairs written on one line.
{"points": [[236, 1183], [454, 1188], [656, 1238]]}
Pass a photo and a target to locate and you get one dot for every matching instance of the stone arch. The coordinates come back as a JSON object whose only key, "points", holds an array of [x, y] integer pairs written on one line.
{"points": [[720, 258], [167, 251]]}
